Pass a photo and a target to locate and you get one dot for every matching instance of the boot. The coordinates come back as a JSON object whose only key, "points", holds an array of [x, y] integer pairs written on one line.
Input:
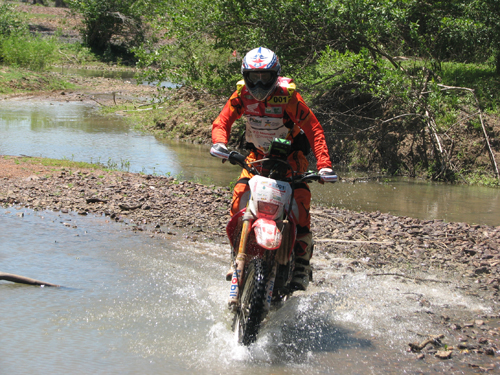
{"points": [[302, 273]]}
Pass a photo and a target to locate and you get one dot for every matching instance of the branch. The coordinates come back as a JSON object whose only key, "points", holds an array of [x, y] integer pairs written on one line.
{"points": [[434, 340], [487, 139], [23, 280], [395, 118], [409, 277], [354, 241]]}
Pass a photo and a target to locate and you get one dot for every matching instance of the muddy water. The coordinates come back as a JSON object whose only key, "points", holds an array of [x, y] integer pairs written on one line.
{"points": [[134, 304], [75, 131]]}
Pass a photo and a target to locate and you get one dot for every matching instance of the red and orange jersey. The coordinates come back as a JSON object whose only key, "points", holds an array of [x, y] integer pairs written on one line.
{"points": [[285, 103]]}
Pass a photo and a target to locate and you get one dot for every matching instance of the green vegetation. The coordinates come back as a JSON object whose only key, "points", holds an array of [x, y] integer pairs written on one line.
{"points": [[407, 87], [26, 57], [112, 27], [67, 163], [59, 163]]}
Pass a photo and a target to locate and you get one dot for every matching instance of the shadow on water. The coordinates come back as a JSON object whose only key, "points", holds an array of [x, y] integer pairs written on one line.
{"points": [[305, 326]]}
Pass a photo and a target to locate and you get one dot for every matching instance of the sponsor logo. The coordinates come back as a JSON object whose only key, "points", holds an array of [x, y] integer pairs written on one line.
{"points": [[267, 123], [253, 108], [274, 110], [234, 289], [255, 120], [233, 293], [281, 187]]}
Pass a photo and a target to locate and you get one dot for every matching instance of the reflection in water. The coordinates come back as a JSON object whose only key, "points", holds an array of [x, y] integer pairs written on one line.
{"points": [[197, 162], [424, 200], [75, 131]]}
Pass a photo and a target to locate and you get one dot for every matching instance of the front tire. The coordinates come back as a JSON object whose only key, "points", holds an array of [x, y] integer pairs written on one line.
{"points": [[247, 319]]}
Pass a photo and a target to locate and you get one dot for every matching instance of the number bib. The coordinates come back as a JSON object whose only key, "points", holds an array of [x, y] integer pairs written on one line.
{"points": [[262, 130]]}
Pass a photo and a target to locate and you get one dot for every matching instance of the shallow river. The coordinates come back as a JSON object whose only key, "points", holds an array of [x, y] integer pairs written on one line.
{"points": [[75, 131], [133, 304]]}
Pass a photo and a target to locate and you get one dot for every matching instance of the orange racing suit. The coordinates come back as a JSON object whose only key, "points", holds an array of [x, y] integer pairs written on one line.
{"points": [[283, 114]]}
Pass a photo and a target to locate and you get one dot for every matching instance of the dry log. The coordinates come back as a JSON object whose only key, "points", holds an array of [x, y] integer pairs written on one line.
{"points": [[23, 280], [434, 340], [354, 241]]}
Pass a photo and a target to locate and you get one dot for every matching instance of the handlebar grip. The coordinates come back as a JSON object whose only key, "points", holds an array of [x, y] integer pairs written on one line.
{"points": [[236, 158]]}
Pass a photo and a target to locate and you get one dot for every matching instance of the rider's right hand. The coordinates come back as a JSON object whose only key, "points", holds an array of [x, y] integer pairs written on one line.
{"points": [[219, 150], [327, 175]]}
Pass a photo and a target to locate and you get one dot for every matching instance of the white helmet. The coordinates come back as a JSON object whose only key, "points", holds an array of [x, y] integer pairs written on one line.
{"points": [[261, 69]]}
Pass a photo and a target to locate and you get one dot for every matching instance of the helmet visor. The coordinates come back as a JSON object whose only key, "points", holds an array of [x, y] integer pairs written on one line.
{"points": [[263, 77]]}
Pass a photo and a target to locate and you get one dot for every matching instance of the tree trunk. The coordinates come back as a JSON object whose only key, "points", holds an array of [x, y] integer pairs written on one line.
{"points": [[61, 4], [23, 280], [497, 62], [38, 2]]}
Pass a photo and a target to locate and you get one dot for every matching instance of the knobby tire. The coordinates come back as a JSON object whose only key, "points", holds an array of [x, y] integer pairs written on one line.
{"points": [[247, 320]]}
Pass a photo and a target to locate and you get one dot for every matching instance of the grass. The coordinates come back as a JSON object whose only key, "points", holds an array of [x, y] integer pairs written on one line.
{"points": [[48, 162], [480, 77], [16, 80], [66, 163]]}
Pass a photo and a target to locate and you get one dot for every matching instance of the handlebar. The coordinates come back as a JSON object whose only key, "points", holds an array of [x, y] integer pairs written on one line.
{"points": [[236, 158]]}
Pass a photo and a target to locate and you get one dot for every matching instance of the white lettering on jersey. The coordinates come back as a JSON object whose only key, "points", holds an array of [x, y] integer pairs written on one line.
{"points": [[262, 130]]}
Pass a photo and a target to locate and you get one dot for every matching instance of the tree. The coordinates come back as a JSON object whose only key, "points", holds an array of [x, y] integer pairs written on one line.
{"points": [[109, 23], [488, 13]]}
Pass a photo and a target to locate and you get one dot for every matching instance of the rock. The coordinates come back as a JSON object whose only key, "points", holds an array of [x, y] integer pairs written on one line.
{"points": [[443, 354]]}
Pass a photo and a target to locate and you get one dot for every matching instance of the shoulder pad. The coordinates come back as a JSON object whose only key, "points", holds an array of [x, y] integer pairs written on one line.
{"points": [[291, 89], [239, 86], [288, 83]]}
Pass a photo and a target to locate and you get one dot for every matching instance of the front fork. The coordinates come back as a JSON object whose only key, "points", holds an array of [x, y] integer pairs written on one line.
{"points": [[238, 274]]}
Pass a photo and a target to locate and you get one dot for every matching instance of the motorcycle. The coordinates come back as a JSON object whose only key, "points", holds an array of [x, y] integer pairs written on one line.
{"points": [[262, 237]]}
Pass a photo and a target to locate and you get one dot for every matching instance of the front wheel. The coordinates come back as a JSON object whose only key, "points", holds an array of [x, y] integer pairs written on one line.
{"points": [[247, 319]]}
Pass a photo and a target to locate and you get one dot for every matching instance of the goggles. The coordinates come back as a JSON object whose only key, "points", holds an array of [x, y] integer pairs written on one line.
{"points": [[263, 77]]}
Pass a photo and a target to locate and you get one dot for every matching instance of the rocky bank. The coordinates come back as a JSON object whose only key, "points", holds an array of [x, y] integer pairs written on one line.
{"points": [[466, 257]]}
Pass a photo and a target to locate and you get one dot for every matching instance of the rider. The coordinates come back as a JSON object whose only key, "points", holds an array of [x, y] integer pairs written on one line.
{"points": [[274, 109]]}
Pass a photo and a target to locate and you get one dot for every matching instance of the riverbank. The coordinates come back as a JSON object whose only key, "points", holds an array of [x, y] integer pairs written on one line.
{"points": [[465, 258]]}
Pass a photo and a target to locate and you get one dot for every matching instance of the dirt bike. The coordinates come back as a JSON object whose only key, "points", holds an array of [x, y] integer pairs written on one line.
{"points": [[262, 237]]}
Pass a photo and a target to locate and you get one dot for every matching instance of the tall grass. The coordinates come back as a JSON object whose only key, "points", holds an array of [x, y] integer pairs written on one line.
{"points": [[27, 51]]}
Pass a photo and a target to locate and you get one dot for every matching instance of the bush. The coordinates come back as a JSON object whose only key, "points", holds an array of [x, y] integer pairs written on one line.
{"points": [[111, 25], [27, 51], [11, 22]]}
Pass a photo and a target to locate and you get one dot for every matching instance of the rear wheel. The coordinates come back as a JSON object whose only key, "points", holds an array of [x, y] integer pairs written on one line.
{"points": [[247, 319]]}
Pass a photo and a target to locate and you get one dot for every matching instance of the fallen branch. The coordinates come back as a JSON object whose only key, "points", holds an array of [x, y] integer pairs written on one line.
{"points": [[96, 200], [23, 280], [354, 241], [434, 340], [403, 115], [409, 277]]}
